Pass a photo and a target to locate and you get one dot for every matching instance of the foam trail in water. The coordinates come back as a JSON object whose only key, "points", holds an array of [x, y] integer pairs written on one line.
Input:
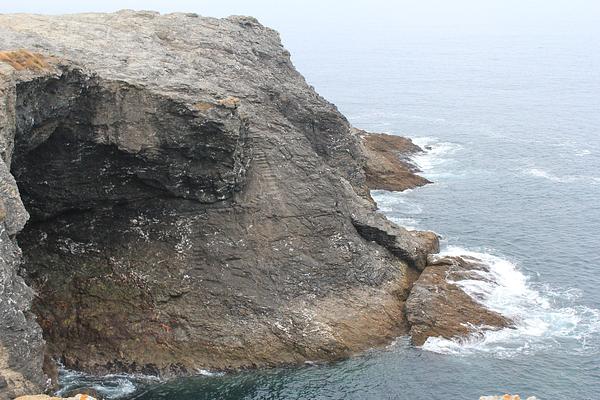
{"points": [[539, 322], [435, 154], [397, 208], [541, 173], [583, 152], [395, 204], [408, 223]]}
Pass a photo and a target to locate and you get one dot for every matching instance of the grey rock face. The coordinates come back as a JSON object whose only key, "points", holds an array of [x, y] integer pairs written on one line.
{"points": [[21, 343], [412, 247], [194, 203]]}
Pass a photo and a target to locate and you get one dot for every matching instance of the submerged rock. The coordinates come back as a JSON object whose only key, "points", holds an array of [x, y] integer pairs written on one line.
{"points": [[438, 307], [194, 203]]}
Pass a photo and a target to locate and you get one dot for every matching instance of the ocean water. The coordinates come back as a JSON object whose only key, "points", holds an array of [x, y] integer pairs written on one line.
{"points": [[511, 124]]}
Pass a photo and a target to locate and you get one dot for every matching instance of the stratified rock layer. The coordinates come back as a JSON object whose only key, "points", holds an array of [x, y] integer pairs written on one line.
{"points": [[194, 203]]}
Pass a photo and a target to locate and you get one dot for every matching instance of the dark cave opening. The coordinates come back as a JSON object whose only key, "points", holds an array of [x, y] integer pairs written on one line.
{"points": [[108, 172]]}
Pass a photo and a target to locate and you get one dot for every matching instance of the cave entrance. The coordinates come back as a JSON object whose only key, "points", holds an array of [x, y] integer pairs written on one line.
{"points": [[114, 178]]}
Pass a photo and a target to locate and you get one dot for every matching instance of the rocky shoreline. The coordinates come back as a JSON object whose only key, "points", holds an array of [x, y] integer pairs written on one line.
{"points": [[438, 307], [388, 162], [175, 196]]}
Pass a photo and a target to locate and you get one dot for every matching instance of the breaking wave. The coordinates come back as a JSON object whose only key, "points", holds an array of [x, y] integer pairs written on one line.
{"points": [[435, 154], [397, 208], [542, 317], [112, 386], [403, 210]]}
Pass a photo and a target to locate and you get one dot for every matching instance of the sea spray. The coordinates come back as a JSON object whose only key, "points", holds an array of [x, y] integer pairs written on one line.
{"points": [[111, 386], [539, 322]]}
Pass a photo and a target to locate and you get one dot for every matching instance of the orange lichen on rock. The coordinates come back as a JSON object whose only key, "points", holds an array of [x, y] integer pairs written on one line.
{"points": [[229, 102], [2, 210], [25, 60], [203, 106]]}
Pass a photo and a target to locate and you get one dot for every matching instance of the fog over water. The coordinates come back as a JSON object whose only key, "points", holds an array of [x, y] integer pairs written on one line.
{"points": [[506, 97]]}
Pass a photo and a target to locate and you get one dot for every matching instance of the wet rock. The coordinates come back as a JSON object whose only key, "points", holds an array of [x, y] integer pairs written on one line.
{"points": [[388, 165], [194, 203], [46, 397], [438, 307]]}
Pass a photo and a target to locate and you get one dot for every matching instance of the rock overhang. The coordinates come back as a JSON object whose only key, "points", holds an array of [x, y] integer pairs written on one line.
{"points": [[122, 140]]}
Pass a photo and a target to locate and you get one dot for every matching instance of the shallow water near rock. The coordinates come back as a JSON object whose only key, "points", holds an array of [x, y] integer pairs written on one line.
{"points": [[511, 127]]}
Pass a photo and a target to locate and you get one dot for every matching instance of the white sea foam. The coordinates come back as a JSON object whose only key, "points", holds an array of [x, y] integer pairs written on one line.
{"points": [[583, 152], [541, 173], [539, 322], [111, 386], [543, 316], [435, 153], [409, 223], [389, 202], [397, 208], [206, 372]]}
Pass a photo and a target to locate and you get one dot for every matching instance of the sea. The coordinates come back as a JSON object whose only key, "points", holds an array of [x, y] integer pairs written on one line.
{"points": [[510, 127]]}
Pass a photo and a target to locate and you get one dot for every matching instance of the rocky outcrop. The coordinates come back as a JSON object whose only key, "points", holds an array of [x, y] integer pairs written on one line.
{"points": [[412, 247], [388, 165], [438, 307], [21, 344], [194, 203]]}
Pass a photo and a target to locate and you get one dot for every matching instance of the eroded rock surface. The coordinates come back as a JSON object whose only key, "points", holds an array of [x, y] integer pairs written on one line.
{"points": [[21, 344], [194, 203], [388, 165], [438, 307]]}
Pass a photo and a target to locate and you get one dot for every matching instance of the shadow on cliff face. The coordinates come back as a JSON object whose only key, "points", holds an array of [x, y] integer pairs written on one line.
{"points": [[102, 167], [167, 235], [162, 238], [145, 258], [81, 142]]}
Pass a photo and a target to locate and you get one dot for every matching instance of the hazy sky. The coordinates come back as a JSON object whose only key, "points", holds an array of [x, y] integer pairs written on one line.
{"points": [[470, 16]]}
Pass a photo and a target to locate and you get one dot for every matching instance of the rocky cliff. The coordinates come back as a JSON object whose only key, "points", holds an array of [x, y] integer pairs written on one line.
{"points": [[182, 199]]}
